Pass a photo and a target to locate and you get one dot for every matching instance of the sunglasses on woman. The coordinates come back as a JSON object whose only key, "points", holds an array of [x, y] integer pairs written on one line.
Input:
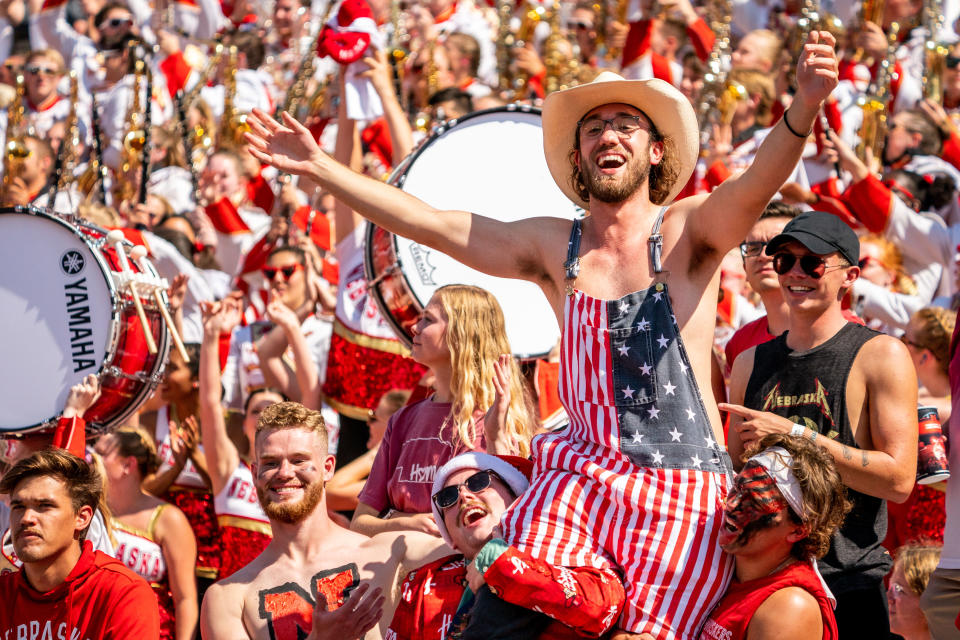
{"points": [[448, 496], [271, 272], [813, 266]]}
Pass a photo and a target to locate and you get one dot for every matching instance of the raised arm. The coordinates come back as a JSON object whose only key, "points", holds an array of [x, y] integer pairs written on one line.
{"points": [[506, 249], [222, 456], [723, 218]]}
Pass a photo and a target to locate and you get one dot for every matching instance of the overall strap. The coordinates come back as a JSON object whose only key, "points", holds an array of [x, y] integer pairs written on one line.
{"points": [[572, 264], [655, 242]]}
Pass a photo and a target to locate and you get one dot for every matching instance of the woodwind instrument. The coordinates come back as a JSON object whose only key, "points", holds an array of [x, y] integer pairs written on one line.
{"points": [[96, 173], [146, 146], [298, 89], [134, 138], [67, 153], [187, 135], [209, 71], [14, 149], [934, 53], [399, 48], [876, 103], [232, 124]]}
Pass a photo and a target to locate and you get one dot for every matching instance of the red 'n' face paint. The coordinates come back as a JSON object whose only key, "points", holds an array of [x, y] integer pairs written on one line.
{"points": [[752, 504]]}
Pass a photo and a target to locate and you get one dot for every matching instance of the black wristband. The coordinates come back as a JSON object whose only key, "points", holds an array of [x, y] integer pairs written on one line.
{"points": [[791, 129]]}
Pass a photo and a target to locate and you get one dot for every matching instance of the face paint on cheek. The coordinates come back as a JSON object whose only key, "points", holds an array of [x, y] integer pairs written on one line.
{"points": [[757, 499]]}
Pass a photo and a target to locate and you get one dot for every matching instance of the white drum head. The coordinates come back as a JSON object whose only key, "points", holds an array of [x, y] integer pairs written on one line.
{"points": [[55, 317], [490, 163]]}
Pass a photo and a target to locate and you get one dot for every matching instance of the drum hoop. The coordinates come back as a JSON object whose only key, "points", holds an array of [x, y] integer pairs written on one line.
{"points": [[396, 179], [113, 331]]}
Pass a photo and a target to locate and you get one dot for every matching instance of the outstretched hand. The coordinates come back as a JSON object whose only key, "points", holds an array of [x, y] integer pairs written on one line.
{"points": [[817, 69], [359, 613], [753, 424], [289, 147]]}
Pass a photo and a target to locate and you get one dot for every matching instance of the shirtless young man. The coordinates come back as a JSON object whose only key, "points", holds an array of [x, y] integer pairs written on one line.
{"points": [[633, 359], [315, 577]]}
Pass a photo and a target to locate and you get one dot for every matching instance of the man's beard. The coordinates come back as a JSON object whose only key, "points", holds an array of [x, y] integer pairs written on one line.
{"points": [[613, 189], [292, 512]]}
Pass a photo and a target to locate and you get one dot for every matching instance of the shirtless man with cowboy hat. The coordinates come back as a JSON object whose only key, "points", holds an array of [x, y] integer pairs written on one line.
{"points": [[637, 481]]}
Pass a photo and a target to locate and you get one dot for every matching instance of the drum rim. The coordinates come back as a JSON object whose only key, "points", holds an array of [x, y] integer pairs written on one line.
{"points": [[396, 179], [113, 331]]}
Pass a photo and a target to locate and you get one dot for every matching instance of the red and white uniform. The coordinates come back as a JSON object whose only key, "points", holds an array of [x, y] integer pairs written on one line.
{"points": [[366, 360], [142, 554], [244, 527]]}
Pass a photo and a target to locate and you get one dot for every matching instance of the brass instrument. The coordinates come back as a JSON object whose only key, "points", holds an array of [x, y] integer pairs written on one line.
{"points": [[876, 103], [870, 11], [505, 42], [600, 23], [563, 67], [934, 53], [714, 95], [95, 172], [614, 53], [532, 15], [15, 150], [399, 47], [232, 124]]}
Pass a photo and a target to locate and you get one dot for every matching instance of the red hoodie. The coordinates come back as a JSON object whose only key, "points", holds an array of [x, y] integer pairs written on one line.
{"points": [[101, 599]]}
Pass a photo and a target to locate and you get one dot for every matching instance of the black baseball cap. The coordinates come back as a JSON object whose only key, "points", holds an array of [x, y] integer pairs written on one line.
{"points": [[821, 233]]}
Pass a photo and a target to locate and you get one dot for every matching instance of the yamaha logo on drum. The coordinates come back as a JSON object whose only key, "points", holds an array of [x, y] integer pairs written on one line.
{"points": [[72, 262]]}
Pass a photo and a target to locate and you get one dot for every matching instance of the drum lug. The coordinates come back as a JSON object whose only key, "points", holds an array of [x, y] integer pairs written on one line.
{"points": [[139, 376]]}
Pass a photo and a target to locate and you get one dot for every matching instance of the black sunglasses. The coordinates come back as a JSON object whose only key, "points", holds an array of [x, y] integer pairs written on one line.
{"points": [[813, 266], [448, 496], [752, 249], [952, 61]]}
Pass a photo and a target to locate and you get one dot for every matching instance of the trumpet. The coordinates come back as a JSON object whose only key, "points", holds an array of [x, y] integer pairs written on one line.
{"points": [[934, 53], [614, 53], [711, 107], [532, 15]]}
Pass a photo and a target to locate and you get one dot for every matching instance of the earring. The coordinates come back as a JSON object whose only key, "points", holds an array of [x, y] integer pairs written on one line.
{"points": [[923, 358]]}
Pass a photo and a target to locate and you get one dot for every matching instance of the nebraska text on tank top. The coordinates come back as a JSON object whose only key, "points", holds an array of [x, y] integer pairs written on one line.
{"points": [[237, 504], [139, 550], [809, 388]]}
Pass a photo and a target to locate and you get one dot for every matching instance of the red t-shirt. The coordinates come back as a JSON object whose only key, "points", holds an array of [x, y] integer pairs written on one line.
{"points": [[100, 600], [730, 619], [417, 442]]}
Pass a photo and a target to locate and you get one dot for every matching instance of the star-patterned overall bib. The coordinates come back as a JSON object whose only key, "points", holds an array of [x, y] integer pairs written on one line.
{"points": [[637, 480]]}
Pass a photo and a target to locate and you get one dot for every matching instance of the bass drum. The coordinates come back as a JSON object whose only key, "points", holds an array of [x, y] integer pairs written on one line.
{"points": [[62, 318], [490, 162]]}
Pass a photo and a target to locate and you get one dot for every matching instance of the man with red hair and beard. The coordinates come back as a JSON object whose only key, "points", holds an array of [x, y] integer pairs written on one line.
{"points": [[315, 579]]}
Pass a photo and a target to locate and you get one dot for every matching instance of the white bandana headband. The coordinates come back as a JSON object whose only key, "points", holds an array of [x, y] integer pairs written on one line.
{"points": [[779, 465]]}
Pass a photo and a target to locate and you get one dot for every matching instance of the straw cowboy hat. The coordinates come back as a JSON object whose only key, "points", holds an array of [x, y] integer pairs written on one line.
{"points": [[666, 107]]}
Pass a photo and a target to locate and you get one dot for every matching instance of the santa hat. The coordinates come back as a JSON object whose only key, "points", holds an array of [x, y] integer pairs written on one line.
{"points": [[513, 470], [346, 38], [348, 35]]}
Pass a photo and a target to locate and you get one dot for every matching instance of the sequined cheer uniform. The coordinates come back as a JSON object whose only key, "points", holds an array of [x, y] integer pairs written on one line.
{"points": [[637, 480], [244, 527], [140, 552]]}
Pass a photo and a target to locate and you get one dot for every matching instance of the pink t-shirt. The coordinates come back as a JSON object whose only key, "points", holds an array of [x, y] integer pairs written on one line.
{"points": [[413, 448]]}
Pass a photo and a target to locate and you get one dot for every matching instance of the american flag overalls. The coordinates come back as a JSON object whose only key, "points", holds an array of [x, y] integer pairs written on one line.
{"points": [[637, 481]]}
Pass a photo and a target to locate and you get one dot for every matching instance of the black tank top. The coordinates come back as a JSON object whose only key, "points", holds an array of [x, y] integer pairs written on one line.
{"points": [[809, 388]]}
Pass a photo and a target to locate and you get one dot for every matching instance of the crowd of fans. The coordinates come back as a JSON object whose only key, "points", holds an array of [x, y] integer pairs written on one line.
{"points": [[157, 119]]}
